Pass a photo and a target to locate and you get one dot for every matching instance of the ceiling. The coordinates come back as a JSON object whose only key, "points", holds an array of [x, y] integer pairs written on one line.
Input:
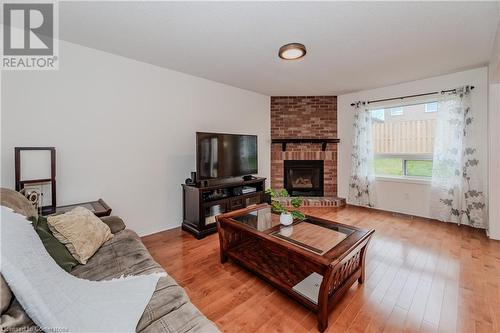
{"points": [[350, 45]]}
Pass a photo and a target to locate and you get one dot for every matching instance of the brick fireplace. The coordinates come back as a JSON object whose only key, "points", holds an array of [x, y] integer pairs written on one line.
{"points": [[311, 117]]}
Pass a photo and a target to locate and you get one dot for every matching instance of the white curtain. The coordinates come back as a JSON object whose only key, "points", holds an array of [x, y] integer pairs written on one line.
{"points": [[457, 191], [362, 178]]}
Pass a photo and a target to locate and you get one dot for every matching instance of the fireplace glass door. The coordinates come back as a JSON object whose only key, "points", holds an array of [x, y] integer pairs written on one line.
{"points": [[304, 177]]}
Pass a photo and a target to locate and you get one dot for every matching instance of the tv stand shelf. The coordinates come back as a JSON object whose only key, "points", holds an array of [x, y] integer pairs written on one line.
{"points": [[202, 203]]}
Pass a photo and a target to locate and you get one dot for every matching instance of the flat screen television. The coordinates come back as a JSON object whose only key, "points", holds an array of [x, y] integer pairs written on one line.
{"points": [[221, 155]]}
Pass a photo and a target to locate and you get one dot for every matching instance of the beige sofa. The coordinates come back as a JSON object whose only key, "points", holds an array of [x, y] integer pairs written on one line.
{"points": [[169, 309]]}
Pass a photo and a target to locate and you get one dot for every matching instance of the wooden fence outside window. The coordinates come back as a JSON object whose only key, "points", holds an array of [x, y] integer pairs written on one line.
{"points": [[404, 137]]}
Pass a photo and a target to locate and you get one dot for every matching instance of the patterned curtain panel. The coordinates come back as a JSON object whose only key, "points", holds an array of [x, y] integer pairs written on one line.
{"points": [[457, 191], [361, 182]]}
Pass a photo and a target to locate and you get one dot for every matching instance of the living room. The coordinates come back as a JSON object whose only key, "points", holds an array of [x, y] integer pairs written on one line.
{"points": [[349, 106]]}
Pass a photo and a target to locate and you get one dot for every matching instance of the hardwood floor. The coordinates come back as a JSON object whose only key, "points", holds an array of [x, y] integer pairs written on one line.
{"points": [[422, 276]]}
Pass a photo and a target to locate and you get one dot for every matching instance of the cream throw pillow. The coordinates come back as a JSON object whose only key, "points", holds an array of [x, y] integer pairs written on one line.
{"points": [[81, 231]]}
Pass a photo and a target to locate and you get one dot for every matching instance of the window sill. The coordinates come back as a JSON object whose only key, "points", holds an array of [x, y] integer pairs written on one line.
{"points": [[407, 179]]}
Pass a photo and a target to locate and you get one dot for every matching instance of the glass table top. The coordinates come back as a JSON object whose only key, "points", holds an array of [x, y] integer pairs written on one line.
{"points": [[313, 235]]}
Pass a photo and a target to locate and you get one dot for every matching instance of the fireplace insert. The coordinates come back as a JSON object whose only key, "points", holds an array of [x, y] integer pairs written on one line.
{"points": [[304, 177]]}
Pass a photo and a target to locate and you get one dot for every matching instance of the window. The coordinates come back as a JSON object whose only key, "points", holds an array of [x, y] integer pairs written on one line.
{"points": [[396, 111], [404, 146], [431, 107]]}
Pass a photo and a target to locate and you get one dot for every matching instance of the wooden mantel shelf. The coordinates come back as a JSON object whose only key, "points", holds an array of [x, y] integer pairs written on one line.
{"points": [[323, 142]]}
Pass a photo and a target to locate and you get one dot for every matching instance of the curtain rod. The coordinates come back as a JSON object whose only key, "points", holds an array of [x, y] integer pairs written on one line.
{"points": [[408, 96]]}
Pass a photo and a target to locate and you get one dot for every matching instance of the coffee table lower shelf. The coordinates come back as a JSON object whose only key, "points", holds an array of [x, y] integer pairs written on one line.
{"points": [[282, 270], [270, 265]]}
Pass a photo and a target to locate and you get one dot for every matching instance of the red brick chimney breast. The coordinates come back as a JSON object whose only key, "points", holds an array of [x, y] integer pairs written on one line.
{"points": [[304, 117]]}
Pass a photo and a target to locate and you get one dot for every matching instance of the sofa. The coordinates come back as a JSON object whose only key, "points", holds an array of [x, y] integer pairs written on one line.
{"points": [[169, 309]]}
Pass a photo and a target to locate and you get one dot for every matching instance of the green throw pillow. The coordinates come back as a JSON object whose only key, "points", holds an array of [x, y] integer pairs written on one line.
{"points": [[56, 249]]}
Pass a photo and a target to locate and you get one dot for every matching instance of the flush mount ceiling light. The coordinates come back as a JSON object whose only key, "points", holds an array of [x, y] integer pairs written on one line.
{"points": [[292, 51]]}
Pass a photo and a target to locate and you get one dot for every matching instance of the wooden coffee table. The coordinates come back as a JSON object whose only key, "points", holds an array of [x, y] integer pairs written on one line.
{"points": [[314, 261]]}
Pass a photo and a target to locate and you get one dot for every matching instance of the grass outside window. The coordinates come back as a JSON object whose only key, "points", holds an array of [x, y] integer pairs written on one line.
{"points": [[395, 167], [419, 168], [385, 166]]}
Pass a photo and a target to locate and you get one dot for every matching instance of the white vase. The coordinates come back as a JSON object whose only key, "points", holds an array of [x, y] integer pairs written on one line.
{"points": [[286, 218]]}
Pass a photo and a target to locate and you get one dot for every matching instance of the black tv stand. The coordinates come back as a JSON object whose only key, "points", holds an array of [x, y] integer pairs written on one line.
{"points": [[201, 204]]}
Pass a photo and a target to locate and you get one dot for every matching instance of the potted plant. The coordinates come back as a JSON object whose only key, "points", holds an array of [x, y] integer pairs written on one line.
{"points": [[286, 215]]}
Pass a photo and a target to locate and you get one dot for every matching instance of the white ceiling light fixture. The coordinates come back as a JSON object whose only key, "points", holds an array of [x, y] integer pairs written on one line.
{"points": [[292, 51]]}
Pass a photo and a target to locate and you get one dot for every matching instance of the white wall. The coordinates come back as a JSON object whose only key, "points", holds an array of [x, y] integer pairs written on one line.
{"points": [[123, 130], [409, 198], [494, 137]]}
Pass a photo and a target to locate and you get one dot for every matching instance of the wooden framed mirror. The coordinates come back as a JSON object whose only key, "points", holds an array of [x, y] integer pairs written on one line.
{"points": [[35, 170]]}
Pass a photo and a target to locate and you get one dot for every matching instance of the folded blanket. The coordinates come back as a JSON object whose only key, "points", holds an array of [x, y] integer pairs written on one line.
{"points": [[56, 300]]}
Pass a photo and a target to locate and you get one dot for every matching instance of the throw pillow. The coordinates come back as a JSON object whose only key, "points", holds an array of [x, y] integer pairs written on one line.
{"points": [[56, 249], [81, 231]]}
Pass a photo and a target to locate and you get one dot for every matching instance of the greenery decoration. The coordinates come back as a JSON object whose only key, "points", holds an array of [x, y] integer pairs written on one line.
{"points": [[277, 205]]}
